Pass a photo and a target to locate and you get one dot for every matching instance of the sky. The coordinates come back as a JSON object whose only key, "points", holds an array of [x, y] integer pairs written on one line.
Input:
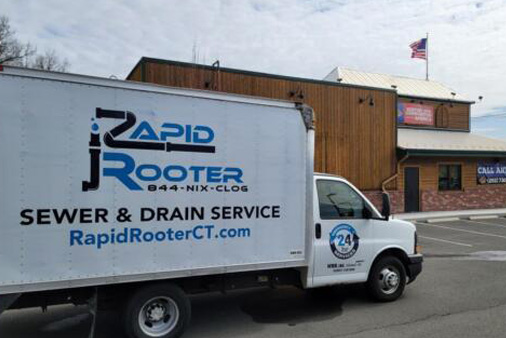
{"points": [[304, 38]]}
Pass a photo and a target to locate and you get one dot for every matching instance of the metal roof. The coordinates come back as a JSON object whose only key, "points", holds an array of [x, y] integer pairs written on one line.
{"points": [[433, 142], [405, 86]]}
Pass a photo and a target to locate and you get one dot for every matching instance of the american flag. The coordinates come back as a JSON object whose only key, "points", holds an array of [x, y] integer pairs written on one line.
{"points": [[419, 49]]}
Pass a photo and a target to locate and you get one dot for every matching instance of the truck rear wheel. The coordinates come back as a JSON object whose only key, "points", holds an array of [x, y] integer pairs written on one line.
{"points": [[387, 279], [160, 310]]}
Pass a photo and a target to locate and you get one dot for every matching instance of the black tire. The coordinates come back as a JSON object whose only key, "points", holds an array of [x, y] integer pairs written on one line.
{"points": [[380, 284], [160, 296]]}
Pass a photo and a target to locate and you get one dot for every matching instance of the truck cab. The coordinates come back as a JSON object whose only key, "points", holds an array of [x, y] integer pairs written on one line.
{"points": [[354, 243]]}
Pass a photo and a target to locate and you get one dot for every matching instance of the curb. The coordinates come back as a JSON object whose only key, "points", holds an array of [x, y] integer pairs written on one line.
{"points": [[476, 218], [452, 217], [442, 220]]}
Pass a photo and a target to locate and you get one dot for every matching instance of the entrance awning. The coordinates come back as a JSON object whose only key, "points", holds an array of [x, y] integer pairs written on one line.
{"points": [[421, 142]]}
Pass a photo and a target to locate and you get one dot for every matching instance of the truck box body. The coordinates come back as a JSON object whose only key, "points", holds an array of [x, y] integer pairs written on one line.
{"points": [[105, 181]]}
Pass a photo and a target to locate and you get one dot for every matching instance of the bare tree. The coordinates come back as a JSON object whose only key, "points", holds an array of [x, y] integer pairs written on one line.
{"points": [[15, 53], [11, 50], [50, 61]]}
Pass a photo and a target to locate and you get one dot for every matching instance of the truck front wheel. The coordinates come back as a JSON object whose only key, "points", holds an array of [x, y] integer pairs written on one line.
{"points": [[387, 279], [160, 310]]}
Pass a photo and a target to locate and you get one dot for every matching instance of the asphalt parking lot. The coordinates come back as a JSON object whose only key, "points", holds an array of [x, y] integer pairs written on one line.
{"points": [[460, 293]]}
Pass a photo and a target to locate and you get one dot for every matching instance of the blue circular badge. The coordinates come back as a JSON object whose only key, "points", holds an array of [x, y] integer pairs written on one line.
{"points": [[344, 241]]}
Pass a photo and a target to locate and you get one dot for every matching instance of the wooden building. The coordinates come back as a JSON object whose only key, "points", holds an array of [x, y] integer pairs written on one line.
{"points": [[442, 164], [408, 136], [355, 125]]}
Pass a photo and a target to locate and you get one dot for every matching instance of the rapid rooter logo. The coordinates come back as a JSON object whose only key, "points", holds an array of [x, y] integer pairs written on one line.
{"points": [[123, 167]]}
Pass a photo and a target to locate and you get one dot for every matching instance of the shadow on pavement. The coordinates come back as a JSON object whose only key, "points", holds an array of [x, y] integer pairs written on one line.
{"points": [[214, 315]]}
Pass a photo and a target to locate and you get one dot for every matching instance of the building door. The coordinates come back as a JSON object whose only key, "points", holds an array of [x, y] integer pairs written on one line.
{"points": [[411, 189]]}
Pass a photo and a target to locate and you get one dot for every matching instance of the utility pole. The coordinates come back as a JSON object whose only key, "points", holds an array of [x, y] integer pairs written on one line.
{"points": [[427, 57]]}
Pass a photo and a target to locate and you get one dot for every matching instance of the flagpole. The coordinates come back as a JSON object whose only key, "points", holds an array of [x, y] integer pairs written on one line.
{"points": [[427, 58]]}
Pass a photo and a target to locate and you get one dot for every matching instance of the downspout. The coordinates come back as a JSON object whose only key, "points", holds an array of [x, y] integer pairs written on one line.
{"points": [[394, 176]]}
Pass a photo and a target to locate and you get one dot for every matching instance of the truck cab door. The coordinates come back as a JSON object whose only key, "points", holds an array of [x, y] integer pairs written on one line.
{"points": [[343, 233]]}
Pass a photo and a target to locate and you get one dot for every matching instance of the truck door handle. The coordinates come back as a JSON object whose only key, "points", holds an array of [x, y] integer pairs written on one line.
{"points": [[318, 230]]}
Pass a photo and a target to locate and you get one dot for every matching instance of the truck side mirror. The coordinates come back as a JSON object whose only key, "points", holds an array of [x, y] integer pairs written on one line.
{"points": [[385, 211]]}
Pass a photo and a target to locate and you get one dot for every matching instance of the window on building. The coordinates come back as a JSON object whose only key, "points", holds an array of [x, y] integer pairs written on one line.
{"points": [[442, 117], [450, 177]]}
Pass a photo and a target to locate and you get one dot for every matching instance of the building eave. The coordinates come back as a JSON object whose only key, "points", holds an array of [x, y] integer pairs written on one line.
{"points": [[145, 60], [445, 100], [448, 153]]}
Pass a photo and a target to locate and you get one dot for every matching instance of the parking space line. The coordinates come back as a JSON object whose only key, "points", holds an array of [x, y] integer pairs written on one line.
{"points": [[473, 221], [462, 230], [445, 241]]}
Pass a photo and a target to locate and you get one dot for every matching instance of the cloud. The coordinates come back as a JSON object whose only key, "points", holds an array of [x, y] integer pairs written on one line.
{"points": [[305, 38], [493, 111], [492, 125]]}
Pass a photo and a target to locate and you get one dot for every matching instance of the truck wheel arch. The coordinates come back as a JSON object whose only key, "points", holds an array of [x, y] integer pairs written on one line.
{"points": [[395, 252]]}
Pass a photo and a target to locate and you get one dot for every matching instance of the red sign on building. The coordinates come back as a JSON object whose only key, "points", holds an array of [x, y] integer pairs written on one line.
{"points": [[413, 113]]}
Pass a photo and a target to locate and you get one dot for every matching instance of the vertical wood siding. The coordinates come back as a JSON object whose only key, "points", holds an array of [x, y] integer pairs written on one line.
{"points": [[429, 171], [136, 74], [353, 139]]}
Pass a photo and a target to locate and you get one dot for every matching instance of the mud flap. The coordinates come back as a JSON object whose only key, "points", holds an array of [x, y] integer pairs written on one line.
{"points": [[93, 305]]}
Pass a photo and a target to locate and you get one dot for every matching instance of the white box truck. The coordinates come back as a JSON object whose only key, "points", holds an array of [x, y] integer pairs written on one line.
{"points": [[135, 196]]}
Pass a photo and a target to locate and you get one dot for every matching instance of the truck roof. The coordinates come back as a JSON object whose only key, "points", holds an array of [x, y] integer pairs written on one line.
{"points": [[328, 175], [141, 86]]}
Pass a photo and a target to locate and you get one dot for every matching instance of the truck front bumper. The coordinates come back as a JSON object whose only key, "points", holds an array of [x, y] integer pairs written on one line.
{"points": [[414, 266]]}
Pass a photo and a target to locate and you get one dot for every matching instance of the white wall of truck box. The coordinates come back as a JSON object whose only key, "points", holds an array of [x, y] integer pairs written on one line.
{"points": [[105, 181]]}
